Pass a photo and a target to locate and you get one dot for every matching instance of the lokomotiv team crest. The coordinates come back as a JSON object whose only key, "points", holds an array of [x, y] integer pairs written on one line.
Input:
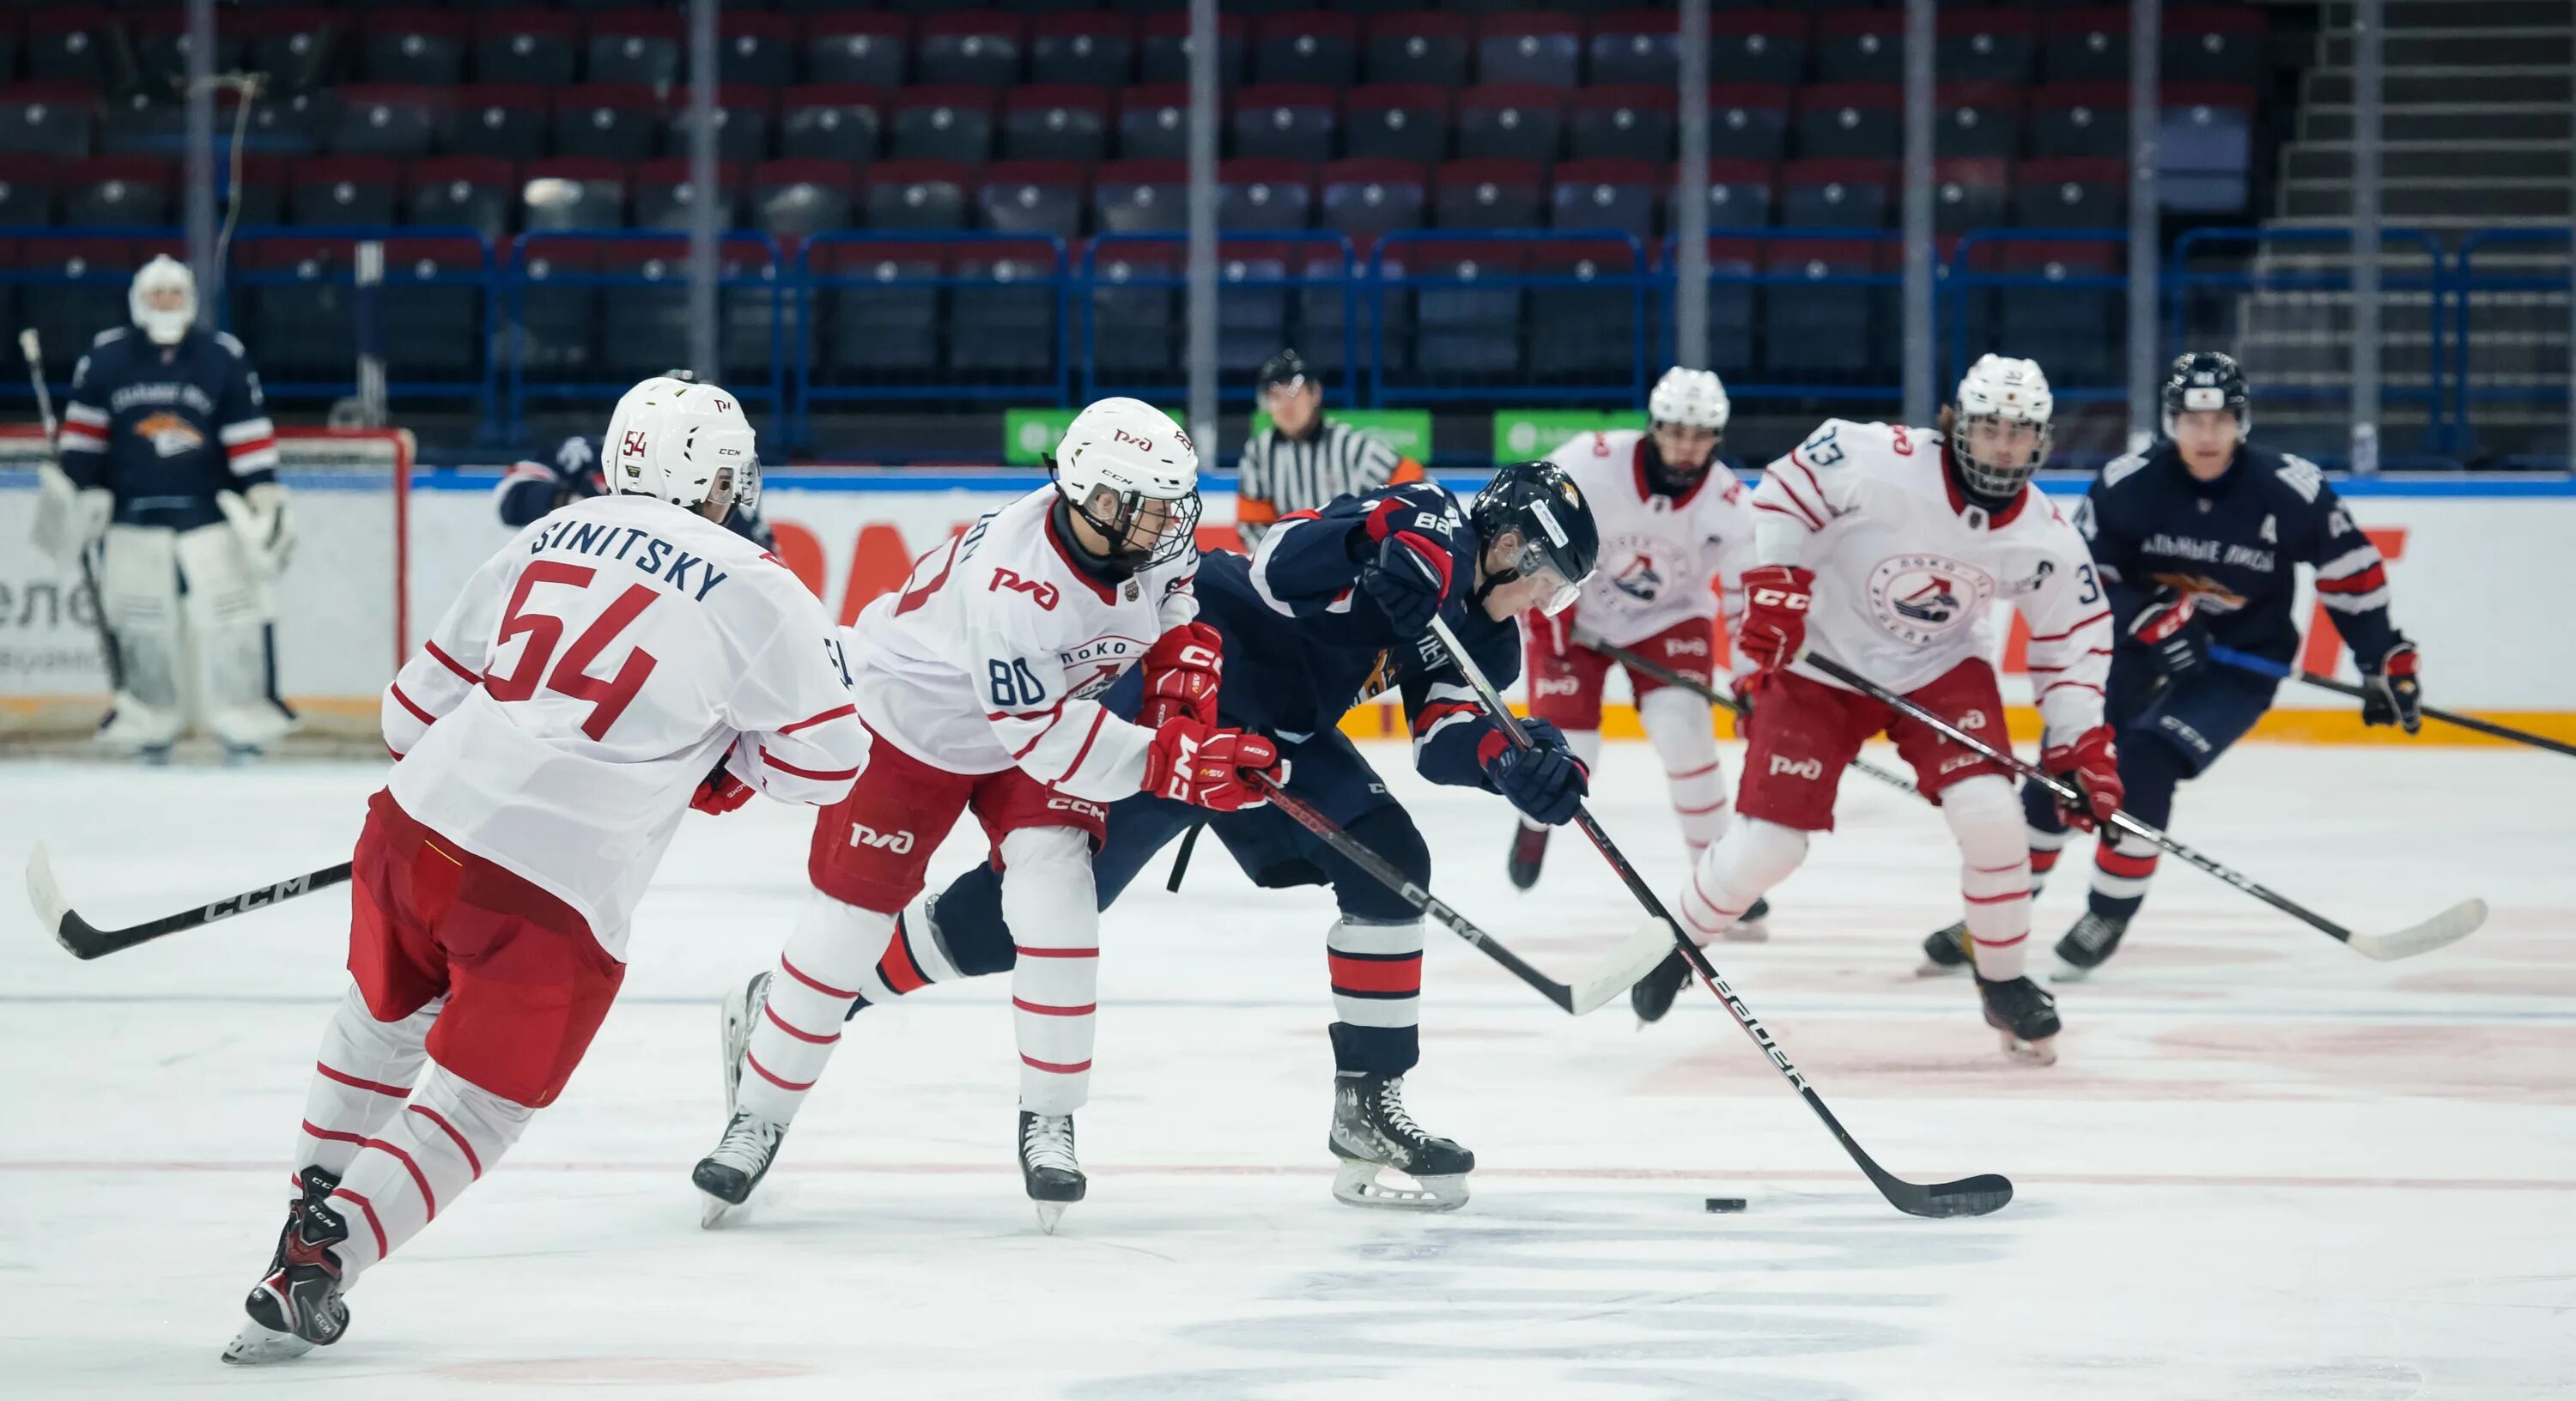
{"points": [[1922, 598]]}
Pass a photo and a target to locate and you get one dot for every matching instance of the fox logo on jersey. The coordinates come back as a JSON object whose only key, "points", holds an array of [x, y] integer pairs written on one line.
{"points": [[1921, 598], [169, 434]]}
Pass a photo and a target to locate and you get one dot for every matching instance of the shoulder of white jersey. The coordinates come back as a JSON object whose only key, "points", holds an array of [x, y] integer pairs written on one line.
{"points": [[108, 337], [232, 345], [2122, 468], [1841, 441]]}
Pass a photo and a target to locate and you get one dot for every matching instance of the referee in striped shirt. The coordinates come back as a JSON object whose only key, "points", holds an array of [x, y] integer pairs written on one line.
{"points": [[1305, 459]]}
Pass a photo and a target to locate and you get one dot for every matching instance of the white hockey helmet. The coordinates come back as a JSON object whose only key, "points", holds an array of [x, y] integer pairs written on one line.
{"points": [[1119, 456], [164, 324], [2000, 389], [671, 440], [1693, 397]]}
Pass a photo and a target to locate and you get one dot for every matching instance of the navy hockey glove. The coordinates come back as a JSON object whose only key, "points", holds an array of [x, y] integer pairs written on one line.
{"points": [[1547, 783], [1407, 581], [2175, 639], [2395, 696]]}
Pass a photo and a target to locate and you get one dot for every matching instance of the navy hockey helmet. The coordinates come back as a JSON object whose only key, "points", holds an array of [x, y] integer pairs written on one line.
{"points": [[1538, 503], [2201, 380]]}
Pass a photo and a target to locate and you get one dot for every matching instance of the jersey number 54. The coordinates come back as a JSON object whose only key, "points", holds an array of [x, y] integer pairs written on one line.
{"points": [[608, 697]]}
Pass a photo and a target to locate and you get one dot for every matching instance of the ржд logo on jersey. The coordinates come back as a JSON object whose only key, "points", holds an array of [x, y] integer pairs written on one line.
{"points": [[1045, 593], [900, 843], [1782, 766], [1922, 598]]}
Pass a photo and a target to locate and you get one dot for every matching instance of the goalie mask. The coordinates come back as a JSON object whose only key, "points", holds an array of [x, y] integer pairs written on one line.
{"points": [[163, 300], [687, 444], [2004, 404], [1130, 473]]}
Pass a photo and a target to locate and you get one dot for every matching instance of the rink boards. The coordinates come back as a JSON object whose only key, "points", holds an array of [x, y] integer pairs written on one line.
{"points": [[2470, 564]]}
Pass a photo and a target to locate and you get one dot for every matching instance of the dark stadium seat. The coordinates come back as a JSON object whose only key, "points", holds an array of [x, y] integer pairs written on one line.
{"points": [[1582, 312], [2080, 119], [2081, 44], [475, 192], [1486, 194], [830, 121], [288, 124], [757, 49], [527, 45], [572, 192], [1310, 47], [67, 314], [1163, 49], [1969, 192], [1748, 121], [1739, 194], [26, 191], [1467, 321], [1977, 119], [503, 120], [2205, 147], [344, 190], [1253, 303], [917, 194], [1822, 332], [1140, 196], [971, 46], [386, 119], [796, 199], [1510, 121], [294, 299], [1608, 193], [1419, 48], [1860, 46], [2215, 45], [1095, 48], [1837, 192], [1002, 312], [1325, 308], [941, 123], [431, 309], [1286, 121], [2071, 192], [1031, 197], [1398, 121], [634, 46], [639, 324], [1264, 195], [1134, 312], [1757, 47], [1865, 120], [1055, 122], [1734, 331], [1529, 46], [743, 121], [874, 50], [1635, 46], [665, 198], [1153, 122], [302, 49], [1364, 198], [73, 45], [878, 312], [611, 121], [47, 119], [394, 46], [159, 40], [1995, 46], [135, 125], [1628, 121]]}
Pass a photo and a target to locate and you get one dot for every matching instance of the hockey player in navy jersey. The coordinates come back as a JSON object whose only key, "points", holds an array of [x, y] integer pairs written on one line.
{"points": [[1332, 611], [531, 489], [2198, 541], [169, 457]]}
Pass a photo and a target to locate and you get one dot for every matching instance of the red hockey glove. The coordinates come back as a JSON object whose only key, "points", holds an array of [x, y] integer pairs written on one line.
{"points": [[720, 793], [2394, 695], [2174, 639], [1181, 675], [1208, 767], [1776, 598], [2089, 764]]}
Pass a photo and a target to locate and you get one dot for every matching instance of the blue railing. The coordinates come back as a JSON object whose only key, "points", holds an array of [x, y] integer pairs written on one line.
{"points": [[1424, 317]]}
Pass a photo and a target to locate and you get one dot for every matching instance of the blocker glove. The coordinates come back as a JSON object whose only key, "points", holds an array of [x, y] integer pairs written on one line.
{"points": [[2089, 764], [1546, 782], [2395, 696]]}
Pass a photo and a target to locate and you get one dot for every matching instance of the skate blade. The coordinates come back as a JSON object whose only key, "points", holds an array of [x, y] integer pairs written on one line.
{"points": [[1746, 932], [1365, 1184], [257, 1346], [1049, 1213], [1929, 969], [2069, 973], [716, 1211], [2040, 1052]]}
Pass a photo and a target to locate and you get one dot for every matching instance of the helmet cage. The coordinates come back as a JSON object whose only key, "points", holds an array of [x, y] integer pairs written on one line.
{"points": [[1179, 530]]}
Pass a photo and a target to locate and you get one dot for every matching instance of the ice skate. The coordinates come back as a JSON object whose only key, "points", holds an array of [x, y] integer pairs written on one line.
{"points": [[2088, 944], [296, 1307], [1529, 852], [729, 1174], [1652, 995], [1371, 1133], [2026, 1015], [1946, 951], [1048, 1168]]}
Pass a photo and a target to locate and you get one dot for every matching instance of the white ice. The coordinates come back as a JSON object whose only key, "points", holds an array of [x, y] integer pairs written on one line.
{"points": [[2264, 1167]]}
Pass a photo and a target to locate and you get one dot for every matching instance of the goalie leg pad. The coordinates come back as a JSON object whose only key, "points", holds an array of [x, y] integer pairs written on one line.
{"points": [[231, 615], [140, 588]]}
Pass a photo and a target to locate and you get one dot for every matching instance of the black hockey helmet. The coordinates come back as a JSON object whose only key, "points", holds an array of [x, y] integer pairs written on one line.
{"points": [[1287, 367], [2202, 380], [1540, 504]]}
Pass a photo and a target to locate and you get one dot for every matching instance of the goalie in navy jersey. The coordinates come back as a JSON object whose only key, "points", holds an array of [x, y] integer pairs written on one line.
{"points": [[2198, 541], [169, 459], [1333, 610]]}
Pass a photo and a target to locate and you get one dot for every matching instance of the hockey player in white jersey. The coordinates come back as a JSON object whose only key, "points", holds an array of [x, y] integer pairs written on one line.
{"points": [[1885, 548], [622, 660], [981, 681], [1674, 523]]}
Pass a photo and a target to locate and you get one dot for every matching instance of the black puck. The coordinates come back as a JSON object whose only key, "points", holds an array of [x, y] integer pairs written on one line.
{"points": [[1726, 1203]]}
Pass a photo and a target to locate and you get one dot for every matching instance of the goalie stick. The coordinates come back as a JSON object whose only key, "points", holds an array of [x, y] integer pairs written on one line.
{"points": [[32, 348], [1968, 1196], [1714, 696], [1635, 957], [2265, 666], [87, 940], [2448, 927]]}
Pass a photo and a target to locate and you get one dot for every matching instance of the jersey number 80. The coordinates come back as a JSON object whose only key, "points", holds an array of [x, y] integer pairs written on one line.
{"points": [[1014, 685]]}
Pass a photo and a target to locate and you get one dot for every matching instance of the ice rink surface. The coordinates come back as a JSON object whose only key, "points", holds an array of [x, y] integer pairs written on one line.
{"points": [[2264, 1167]]}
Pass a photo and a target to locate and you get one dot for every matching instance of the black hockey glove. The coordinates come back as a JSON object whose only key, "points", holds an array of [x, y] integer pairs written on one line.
{"points": [[2176, 641], [2395, 696], [1547, 783], [1407, 581]]}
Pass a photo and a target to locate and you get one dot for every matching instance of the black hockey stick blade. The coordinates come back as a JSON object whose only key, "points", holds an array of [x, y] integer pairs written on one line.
{"points": [[86, 940]]}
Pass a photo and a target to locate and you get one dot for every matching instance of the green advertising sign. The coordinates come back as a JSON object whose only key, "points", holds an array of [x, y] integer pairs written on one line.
{"points": [[1028, 434], [1408, 431], [1523, 434]]}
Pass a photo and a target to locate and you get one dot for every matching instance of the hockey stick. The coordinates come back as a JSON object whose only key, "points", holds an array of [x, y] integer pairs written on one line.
{"points": [[1969, 1196], [1714, 696], [34, 349], [2448, 927], [2247, 661], [1634, 959], [87, 940]]}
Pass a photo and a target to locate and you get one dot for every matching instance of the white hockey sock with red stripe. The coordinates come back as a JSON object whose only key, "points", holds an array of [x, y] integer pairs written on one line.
{"points": [[829, 961], [1049, 902], [360, 1080], [1731, 875], [1683, 731], [449, 1134], [1994, 871], [2045, 847]]}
